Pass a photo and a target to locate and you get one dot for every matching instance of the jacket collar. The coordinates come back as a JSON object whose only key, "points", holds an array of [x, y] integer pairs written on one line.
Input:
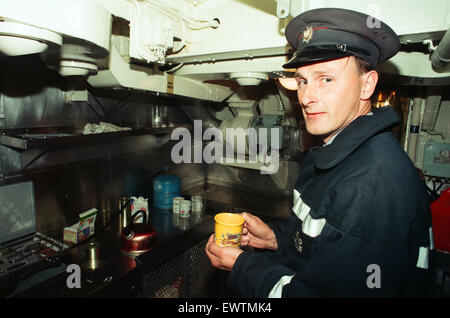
{"points": [[352, 136]]}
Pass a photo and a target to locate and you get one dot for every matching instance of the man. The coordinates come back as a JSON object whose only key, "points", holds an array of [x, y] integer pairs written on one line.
{"points": [[360, 225]]}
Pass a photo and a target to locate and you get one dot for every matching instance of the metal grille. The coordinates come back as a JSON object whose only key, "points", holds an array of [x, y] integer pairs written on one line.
{"points": [[201, 271], [166, 280], [189, 274]]}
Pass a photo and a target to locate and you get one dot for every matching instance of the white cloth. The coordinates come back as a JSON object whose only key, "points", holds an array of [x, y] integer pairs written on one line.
{"points": [[102, 127]]}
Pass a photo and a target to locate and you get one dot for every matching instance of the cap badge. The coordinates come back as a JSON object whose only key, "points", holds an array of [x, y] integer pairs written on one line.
{"points": [[307, 34]]}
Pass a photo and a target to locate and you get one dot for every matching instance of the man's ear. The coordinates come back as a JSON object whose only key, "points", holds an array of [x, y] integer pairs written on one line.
{"points": [[370, 83]]}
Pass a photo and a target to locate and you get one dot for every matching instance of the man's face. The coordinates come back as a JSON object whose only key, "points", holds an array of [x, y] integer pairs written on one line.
{"points": [[329, 94]]}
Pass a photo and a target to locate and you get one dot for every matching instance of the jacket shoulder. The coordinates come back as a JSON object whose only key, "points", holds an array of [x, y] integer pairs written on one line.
{"points": [[395, 197]]}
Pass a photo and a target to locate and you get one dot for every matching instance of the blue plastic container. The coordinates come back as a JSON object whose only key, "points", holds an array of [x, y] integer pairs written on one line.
{"points": [[165, 188]]}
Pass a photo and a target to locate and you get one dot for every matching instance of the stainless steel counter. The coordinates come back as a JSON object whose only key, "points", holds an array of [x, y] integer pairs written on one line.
{"points": [[116, 274]]}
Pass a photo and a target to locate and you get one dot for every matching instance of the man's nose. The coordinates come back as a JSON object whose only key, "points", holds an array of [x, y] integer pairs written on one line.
{"points": [[307, 95]]}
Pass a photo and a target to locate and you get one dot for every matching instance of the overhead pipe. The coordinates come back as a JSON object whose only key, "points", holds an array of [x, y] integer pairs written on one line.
{"points": [[441, 56]]}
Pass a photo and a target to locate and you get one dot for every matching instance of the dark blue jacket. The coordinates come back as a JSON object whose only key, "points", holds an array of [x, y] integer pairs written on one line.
{"points": [[360, 225]]}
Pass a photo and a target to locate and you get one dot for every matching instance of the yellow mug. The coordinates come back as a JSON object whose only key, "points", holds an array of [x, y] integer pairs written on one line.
{"points": [[228, 229]]}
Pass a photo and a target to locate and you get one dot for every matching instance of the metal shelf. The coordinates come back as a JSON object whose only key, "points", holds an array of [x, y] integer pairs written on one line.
{"points": [[38, 148], [36, 140]]}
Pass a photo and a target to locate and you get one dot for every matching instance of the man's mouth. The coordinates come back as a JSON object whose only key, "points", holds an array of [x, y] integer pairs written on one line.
{"points": [[312, 115]]}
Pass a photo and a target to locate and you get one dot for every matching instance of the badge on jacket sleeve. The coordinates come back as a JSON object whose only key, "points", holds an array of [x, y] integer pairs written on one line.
{"points": [[298, 242], [302, 244]]}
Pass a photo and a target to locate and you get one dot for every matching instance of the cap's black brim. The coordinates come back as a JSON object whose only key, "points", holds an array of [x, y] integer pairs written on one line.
{"points": [[313, 56]]}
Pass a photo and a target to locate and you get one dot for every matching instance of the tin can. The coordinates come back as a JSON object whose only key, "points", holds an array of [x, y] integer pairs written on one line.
{"points": [[185, 208], [176, 204], [197, 204]]}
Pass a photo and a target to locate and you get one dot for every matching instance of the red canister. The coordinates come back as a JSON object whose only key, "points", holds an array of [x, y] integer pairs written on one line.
{"points": [[440, 213]]}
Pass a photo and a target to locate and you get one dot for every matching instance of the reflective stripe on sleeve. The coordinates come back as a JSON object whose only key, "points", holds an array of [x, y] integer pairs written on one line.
{"points": [[277, 290], [422, 260], [311, 227]]}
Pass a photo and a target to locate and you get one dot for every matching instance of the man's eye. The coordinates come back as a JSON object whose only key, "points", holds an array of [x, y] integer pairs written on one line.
{"points": [[302, 82], [326, 79]]}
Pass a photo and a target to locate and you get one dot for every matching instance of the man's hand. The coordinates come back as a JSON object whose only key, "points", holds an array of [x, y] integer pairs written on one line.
{"points": [[222, 257], [257, 234]]}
